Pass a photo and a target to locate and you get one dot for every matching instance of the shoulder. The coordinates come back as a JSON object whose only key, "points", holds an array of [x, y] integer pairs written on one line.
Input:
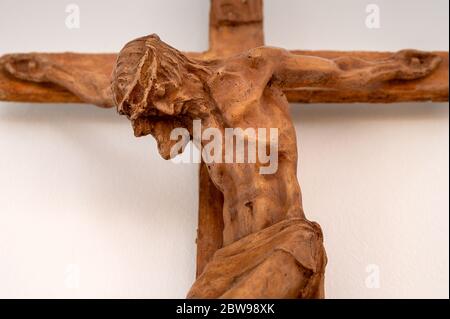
{"points": [[266, 52], [258, 59]]}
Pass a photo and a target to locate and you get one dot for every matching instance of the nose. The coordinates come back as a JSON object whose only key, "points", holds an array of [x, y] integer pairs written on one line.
{"points": [[124, 108]]}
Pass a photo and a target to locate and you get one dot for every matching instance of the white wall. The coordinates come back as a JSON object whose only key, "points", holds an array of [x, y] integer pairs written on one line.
{"points": [[81, 197]]}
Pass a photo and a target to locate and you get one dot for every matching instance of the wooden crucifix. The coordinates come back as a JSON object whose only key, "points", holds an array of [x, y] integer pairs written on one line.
{"points": [[253, 238]]}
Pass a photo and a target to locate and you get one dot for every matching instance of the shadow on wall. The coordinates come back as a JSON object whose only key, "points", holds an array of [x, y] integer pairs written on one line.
{"points": [[29, 113], [369, 112], [39, 113]]}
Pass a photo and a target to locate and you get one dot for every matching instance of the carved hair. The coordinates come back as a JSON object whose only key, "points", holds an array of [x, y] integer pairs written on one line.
{"points": [[148, 69]]}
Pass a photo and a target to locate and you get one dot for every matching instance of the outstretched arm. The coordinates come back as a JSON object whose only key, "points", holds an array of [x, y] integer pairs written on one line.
{"points": [[90, 87], [297, 71]]}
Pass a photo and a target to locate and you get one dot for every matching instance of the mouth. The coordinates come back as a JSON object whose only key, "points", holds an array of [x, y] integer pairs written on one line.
{"points": [[144, 126]]}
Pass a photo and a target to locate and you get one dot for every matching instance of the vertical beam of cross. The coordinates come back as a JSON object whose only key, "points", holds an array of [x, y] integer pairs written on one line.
{"points": [[235, 26]]}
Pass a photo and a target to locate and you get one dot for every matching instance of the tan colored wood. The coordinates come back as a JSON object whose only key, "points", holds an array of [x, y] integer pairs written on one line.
{"points": [[431, 88], [21, 82], [285, 260], [210, 220], [159, 88], [235, 26], [253, 238]]}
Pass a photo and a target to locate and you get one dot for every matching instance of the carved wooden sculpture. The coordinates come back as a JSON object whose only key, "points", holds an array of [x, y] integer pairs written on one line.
{"points": [[254, 238], [271, 250]]}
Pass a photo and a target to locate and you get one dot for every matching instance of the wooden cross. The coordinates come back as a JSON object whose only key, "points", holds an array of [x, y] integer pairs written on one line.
{"points": [[235, 26]]}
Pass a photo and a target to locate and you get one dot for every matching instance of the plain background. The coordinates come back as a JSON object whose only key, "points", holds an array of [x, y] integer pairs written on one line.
{"points": [[87, 210]]}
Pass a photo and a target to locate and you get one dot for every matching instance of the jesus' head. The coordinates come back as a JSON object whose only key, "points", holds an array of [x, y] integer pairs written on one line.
{"points": [[156, 87]]}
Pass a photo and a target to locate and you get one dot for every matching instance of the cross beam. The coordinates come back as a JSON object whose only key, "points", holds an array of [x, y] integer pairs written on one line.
{"points": [[432, 88], [235, 26]]}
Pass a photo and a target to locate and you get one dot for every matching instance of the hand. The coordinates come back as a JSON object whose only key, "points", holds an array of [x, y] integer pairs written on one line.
{"points": [[29, 67], [416, 64]]}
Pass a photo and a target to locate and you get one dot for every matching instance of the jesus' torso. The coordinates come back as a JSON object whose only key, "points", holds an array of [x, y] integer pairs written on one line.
{"points": [[242, 92]]}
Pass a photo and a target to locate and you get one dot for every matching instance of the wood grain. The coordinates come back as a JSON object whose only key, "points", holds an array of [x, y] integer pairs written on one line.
{"points": [[16, 90], [231, 263], [235, 26]]}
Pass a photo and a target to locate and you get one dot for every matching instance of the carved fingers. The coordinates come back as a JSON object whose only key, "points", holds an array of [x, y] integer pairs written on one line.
{"points": [[416, 64], [29, 67], [89, 87]]}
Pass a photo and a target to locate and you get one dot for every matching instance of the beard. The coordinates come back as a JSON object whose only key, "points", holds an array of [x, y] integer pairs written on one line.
{"points": [[160, 128]]}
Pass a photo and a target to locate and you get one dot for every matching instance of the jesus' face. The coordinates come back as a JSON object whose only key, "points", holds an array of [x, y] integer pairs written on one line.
{"points": [[148, 86], [155, 115]]}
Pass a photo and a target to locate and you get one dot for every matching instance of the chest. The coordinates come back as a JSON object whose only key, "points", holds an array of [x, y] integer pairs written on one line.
{"points": [[240, 92]]}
